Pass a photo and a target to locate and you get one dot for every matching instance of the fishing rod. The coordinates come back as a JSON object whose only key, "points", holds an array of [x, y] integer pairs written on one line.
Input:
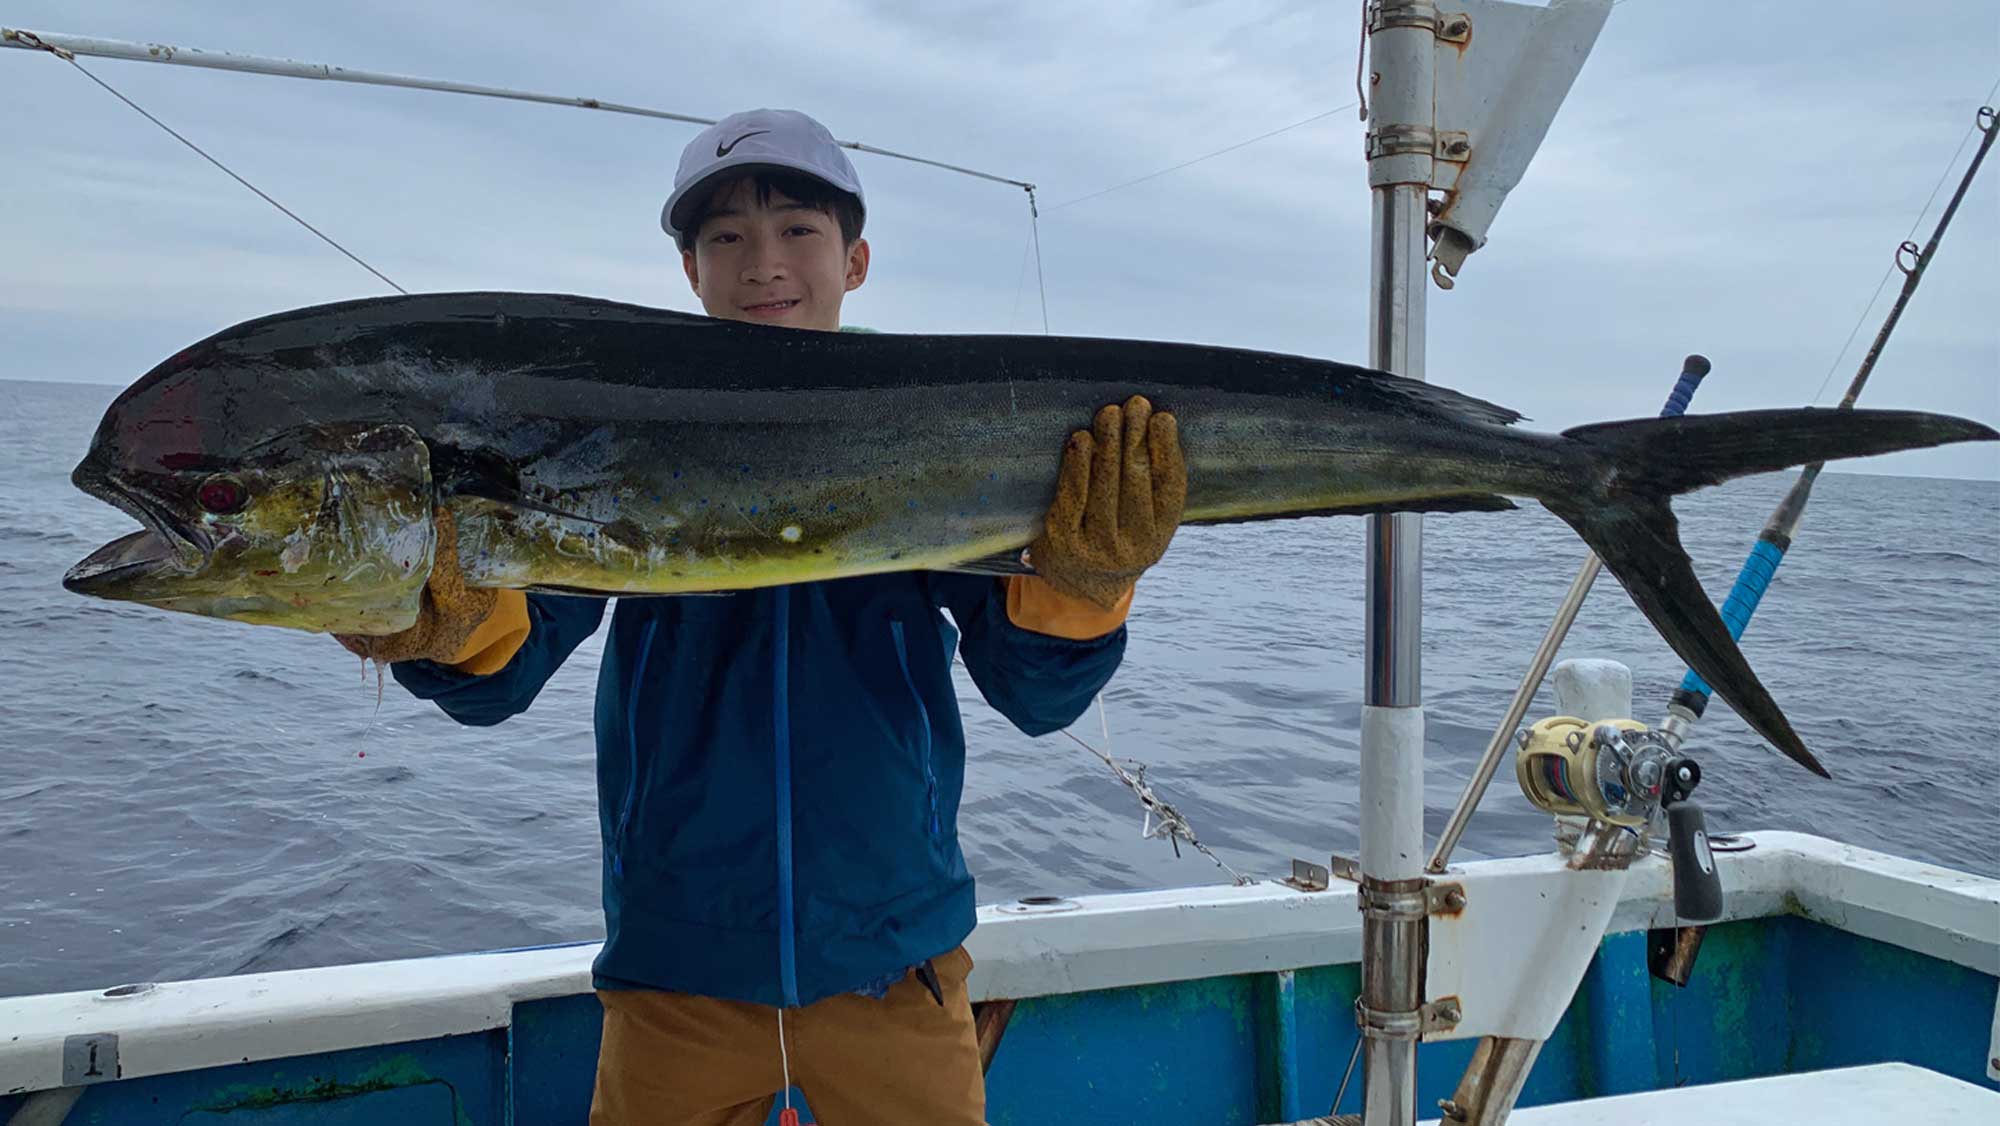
{"points": [[1692, 697], [1693, 370], [1690, 700]]}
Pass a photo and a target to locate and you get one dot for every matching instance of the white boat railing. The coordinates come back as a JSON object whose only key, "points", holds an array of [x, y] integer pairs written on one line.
{"points": [[1022, 951]]}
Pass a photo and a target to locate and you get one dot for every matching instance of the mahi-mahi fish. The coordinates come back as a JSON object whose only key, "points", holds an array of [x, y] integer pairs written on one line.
{"points": [[286, 470]]}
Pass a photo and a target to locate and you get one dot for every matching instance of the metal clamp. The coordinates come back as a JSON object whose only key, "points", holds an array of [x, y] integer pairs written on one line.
{"points": [[1395, 906], [1441, 1015], [1399, 140], [1445, 898], [1418, 903], [1435, 1017], [1389, 1026], [1403, 13]]}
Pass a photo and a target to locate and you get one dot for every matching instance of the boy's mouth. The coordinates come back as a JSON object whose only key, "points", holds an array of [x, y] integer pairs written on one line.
{"points": [[771, 308]]}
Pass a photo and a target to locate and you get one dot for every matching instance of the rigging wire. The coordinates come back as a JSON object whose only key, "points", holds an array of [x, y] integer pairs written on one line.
{"points": [[1035, 249], [70, 57], [1204, 156]]}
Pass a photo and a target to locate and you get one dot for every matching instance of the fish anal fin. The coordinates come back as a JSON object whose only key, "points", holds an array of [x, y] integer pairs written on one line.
{"points": [[1000, 564]]}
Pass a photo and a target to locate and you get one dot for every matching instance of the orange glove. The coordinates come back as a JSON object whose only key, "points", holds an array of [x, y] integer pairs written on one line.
{"points": [[1118, 501], [450, 621]]}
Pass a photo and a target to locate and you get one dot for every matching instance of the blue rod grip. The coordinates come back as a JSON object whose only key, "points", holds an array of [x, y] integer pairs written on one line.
{"points": [[1692, 371], [1751, 582]]}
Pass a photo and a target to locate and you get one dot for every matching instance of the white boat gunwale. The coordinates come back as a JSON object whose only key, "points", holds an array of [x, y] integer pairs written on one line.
{"points": [[1089, 943]]}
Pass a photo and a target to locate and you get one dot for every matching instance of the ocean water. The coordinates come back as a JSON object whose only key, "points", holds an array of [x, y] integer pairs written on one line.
{"points": [[183, 797]]}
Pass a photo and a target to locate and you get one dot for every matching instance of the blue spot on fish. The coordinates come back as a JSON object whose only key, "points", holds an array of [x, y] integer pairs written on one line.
{"points": [[833, 508]]}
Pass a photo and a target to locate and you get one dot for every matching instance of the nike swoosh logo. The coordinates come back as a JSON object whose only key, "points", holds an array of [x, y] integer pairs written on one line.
{"points": [[723, 150]]}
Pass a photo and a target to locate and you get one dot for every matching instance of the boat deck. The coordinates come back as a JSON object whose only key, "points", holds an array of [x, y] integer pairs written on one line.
{"points": [[1852, 1096]]}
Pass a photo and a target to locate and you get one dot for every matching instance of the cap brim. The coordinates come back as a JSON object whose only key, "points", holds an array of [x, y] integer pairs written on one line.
{"points": [[675, 212]]}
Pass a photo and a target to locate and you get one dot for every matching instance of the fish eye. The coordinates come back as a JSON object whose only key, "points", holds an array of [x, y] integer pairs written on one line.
{"points": [[221, 495]]}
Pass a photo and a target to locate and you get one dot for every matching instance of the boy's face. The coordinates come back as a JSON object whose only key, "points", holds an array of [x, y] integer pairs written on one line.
{"points": [[779, 263]]}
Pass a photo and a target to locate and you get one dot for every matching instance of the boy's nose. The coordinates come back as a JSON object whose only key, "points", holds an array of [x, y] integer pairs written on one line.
{"points": [[762, 266]]}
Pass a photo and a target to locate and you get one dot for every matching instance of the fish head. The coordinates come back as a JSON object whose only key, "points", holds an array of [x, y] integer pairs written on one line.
{"points": [[316, 526]]}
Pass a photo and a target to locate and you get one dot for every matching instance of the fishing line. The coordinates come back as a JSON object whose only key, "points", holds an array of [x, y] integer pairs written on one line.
{"points": [[70, 58], [1034, 246], [1890, 271], [1021, 279], [1035, 231], [1206, 156]]}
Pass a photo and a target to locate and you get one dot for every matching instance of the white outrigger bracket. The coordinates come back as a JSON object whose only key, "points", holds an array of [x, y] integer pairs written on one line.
{"points": [[1460, 95], [1502, 71]]}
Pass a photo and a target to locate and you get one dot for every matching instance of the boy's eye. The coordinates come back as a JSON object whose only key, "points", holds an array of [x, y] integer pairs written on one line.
{"points": [[724, 236], [802, 229]]}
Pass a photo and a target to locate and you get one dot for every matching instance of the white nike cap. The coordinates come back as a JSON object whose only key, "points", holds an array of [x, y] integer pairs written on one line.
{"points": [[758, 138]]}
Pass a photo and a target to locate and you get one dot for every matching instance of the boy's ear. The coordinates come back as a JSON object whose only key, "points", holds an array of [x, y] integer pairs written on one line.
{"points": [[857, 264], [693, 272]]}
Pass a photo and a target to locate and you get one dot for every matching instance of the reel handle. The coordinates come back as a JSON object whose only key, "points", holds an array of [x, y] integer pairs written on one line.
{"points": [[1697, 885]]}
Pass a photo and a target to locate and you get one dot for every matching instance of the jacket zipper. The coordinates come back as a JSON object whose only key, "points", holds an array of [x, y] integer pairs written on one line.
{"points": [[923, 717], [632, 747], [781, 737]]}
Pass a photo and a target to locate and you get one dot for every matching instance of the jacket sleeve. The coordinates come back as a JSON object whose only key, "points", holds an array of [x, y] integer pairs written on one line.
{"points": [[1041, 681], [556, 625]]}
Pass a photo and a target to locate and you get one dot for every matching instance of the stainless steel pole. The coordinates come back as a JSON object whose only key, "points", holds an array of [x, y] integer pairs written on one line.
{"points": [[1401, 143]]}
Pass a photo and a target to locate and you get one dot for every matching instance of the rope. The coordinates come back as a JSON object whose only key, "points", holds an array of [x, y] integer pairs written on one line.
{"points": [[1171, 824], [69, 57]]}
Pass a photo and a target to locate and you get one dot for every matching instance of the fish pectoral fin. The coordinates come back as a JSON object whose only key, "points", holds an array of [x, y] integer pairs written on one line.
{"points": [[496, 497], [1000, 564], [1456, 502], [485, 475]]}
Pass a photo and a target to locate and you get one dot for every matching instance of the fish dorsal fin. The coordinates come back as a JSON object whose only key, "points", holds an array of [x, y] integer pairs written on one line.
{"points": [[1427, 396]]}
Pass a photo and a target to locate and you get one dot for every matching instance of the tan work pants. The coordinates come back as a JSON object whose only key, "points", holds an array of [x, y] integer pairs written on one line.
{"points": [[669, 1059]]}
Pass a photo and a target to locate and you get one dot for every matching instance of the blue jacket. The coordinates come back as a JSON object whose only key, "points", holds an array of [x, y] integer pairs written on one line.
{"points": [[778, 771]]}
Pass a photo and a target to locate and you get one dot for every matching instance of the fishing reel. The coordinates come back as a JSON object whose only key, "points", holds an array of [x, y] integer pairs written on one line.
{"points": [[1620, 773]]}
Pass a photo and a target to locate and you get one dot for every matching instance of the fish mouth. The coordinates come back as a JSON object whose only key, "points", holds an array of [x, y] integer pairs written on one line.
{"points": [[122, 563], [166, 544]]}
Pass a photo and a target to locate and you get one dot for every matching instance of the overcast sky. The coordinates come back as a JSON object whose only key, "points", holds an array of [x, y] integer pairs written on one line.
{"points": [[1725, 178]]}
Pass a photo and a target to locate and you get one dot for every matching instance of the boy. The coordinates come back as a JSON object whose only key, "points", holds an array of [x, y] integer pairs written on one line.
{"points": [[779, 769]]}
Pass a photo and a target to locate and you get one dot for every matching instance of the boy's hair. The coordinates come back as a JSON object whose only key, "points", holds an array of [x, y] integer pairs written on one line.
{"points": [[809, 190]]}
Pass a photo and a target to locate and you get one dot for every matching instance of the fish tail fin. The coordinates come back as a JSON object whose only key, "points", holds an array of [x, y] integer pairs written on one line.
{"points": [[1628, 471]]}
